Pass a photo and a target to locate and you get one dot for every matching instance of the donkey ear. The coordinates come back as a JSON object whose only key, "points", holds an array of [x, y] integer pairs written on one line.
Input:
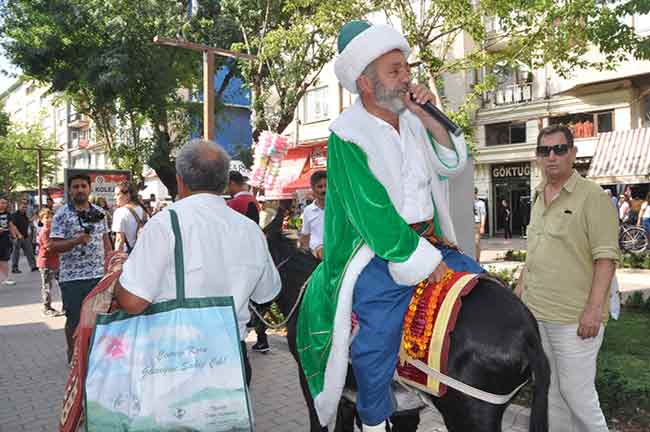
{"points": [[274, 228]]}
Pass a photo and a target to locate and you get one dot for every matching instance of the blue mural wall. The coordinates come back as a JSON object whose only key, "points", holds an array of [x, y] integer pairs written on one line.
{"points": [[233, 121]]}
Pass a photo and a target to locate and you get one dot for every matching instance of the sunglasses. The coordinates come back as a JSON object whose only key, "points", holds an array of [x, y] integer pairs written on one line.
{"points": [[558, 149]]}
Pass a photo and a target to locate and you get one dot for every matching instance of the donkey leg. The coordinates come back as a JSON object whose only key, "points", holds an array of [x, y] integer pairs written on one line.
{"points": [[405, 421], [464, 413], [314, 424], [345, 416]]}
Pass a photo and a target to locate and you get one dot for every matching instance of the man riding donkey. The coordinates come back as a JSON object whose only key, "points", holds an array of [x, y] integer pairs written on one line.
{"points": [[387, 225]]}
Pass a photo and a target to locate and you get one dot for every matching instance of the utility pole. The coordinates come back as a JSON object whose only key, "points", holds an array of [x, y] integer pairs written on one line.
{"points": [[208, 75], [39, 167]]}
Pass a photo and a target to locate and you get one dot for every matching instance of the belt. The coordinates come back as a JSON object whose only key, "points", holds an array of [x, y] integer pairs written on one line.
{"points": [[427, 230]]}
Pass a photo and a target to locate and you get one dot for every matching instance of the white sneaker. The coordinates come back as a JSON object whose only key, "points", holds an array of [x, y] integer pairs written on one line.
{"points": [[378, 428], [9, 282]]}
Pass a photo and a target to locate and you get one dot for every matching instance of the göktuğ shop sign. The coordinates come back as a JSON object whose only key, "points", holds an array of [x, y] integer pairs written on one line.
{"points": [[511, 170]]}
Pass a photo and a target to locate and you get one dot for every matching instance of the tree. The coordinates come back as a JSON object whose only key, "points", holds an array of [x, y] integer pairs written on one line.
{"points": [[18, 166], [530, 33], [293, 40], [4, 124], [100, 54]]}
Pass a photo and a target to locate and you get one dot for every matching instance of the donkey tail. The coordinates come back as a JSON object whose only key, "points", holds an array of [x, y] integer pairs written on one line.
{"points": [[542, 377]]}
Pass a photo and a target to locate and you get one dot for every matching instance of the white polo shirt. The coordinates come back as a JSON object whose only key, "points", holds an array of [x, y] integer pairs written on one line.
{"points": [[313, 223], [225, 254]]}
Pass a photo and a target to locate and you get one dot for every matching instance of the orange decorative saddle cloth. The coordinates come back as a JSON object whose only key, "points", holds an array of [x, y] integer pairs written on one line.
{"points": [[429, 321]]}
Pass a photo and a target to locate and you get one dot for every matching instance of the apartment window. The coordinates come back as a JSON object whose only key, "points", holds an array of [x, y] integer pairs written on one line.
{"points": [[646, 111], [586, 125], [642, 23], [316, 105], [604, 121], [60, 116], [514, 85], [505, 133], [347, 98]]}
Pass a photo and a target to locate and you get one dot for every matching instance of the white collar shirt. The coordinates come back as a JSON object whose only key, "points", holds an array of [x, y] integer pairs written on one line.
{"points": [[416, 184], [313, 224], [225, 254]]}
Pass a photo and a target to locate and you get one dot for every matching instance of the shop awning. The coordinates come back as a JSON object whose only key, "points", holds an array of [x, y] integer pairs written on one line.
{"points": [[301, 183], [622, 157], [292, 165]]}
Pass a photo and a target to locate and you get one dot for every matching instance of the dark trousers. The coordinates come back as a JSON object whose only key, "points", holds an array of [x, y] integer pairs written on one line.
{"points": [[247, 364], [26, 245], [507, 230], [260, 330], [48, 276], [260, 327], [73, 293]]}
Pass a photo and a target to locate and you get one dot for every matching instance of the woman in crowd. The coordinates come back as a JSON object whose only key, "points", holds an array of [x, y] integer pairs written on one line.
{"points": [[644, 216], [507, 216], [128, 218]]}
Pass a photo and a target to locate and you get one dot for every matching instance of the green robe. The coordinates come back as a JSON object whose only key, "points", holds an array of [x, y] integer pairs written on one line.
{"points": [[361, 221], [359, 211]]}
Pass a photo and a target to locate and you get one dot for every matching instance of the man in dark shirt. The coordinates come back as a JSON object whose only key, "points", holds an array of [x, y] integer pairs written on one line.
{"points": [[242, 200], [23, 239], [7, 230]]}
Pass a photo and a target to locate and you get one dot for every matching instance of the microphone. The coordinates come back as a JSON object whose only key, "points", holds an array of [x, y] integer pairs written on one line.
{"points": [[434, 112]]}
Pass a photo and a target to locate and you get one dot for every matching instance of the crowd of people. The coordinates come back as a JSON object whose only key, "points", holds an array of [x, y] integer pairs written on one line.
{"points": [[386, 227]]}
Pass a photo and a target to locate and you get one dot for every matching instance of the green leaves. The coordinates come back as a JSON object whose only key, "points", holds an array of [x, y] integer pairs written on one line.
{"points": [[293, 40], [101, 55], [19, 166]]}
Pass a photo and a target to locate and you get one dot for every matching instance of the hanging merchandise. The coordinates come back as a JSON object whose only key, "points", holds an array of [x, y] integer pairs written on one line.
{"points": [[267, 159]]}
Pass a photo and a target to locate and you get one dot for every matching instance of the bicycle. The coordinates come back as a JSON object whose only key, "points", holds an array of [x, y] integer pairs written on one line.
{"points": [[632, 239]]}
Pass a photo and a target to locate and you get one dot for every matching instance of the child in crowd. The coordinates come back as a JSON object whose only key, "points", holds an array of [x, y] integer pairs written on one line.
{"points": [[47, 262]]}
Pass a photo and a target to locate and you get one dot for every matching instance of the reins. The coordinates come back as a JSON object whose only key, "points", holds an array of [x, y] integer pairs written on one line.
{"points": [[293, 308], [289, 315]]}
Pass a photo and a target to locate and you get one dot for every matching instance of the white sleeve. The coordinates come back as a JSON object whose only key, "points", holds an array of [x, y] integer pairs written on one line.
{"points": [[119, 221], [269, 284], [145, 270], [305, 229]]}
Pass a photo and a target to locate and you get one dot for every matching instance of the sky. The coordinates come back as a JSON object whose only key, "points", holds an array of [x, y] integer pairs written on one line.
{"points": [[5, 66]]}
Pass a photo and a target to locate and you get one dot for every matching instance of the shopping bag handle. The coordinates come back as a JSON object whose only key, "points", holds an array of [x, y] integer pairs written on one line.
{"points": [[178, 258]]}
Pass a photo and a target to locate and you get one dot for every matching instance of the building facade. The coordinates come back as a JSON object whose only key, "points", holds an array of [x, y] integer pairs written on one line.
{"points": [[599, 106], [326, 99]]}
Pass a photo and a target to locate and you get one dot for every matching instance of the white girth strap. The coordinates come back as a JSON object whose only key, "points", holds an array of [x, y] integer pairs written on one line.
{"points": [[492, 398]]}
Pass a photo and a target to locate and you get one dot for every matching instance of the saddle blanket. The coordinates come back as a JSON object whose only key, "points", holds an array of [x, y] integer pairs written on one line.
{"points": [[428, 324]]}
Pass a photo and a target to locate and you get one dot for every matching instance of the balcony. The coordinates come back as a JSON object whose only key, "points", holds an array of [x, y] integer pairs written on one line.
{"points": [[78, 121], [79, 143], [508, 95]]}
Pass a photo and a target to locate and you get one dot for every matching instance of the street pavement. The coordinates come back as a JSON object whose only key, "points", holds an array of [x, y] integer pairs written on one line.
{"points": [[33, 372]]}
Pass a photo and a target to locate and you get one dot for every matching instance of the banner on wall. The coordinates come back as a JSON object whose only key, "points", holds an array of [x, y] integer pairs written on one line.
{"points": [[102, 182]]}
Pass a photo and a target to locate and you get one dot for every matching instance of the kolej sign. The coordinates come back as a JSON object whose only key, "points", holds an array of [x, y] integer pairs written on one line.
{"points": [[103, 182], [505, 171]]}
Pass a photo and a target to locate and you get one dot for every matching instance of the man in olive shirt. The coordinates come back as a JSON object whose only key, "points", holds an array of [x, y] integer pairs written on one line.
{"points": [[572, 250]]}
